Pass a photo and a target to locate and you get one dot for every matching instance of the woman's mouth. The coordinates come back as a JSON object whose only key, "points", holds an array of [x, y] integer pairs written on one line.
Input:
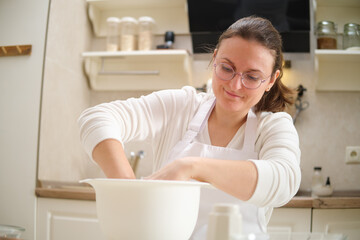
{"points": [[232, 94]]}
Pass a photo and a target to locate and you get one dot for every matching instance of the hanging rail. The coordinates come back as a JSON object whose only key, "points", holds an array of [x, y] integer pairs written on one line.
{"points": [[16, 50]]}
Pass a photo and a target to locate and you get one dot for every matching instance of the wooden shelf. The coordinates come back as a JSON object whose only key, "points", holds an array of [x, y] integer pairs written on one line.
{"points": [[168, 15], [138, 70]]}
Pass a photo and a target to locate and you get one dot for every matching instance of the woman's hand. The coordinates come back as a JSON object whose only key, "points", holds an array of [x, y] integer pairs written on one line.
{"points": [[180, 170]]}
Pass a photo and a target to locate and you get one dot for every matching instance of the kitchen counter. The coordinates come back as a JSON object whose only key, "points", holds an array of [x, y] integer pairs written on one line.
{"points": [[339, 199]]}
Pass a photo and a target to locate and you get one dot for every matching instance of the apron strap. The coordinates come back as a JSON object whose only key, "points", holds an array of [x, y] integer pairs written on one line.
{"points": [[250, 131], [197, 123]]}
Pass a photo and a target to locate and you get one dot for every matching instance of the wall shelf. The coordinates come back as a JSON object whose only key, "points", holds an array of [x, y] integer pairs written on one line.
{"points": [[168, 15], [138, 70], [337, 70]]}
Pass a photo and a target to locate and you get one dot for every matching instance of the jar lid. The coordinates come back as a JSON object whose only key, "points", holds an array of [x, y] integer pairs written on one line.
{"points": [[352, 26], [113, 19], [146, 19], [129, 19]]}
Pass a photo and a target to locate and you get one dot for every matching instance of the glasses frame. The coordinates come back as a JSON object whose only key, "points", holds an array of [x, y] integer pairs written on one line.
{"points": [[241, 76]]}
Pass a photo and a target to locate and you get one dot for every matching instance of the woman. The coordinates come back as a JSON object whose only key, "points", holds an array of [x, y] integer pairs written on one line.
{"points": [[238, 139]]}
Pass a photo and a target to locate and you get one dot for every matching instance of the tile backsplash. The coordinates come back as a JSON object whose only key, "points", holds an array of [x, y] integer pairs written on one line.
{"points": [[325, 129]]}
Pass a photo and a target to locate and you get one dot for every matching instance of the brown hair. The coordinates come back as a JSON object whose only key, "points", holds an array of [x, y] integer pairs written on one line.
{"points": [[262, 31]]}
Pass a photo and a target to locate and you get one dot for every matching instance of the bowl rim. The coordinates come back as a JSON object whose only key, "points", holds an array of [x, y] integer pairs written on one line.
{"points": [[193, 183], [6, 227]]}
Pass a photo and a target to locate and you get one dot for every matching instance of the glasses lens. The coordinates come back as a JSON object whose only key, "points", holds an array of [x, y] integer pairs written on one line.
{"points": [[252, 80], [224, 71]]}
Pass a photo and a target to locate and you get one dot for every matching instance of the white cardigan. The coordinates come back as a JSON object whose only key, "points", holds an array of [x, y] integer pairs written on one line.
{"points": [[164, 116]]}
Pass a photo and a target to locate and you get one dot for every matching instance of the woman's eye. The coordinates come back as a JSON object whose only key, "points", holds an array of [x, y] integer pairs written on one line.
{"points": [[252, 77], [226, 68]]}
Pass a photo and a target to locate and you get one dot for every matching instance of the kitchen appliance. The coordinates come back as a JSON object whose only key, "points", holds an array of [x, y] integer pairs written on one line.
{"points": [[209, 18], [147, 209]]}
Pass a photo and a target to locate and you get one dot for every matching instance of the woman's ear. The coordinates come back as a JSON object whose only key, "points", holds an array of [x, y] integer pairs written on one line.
{"points": [[273, 79], [214, 54]]}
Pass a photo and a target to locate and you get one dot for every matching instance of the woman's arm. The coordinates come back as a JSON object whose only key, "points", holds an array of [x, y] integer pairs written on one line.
{"points": [[270, 181], [110, 156], [237, 178]]}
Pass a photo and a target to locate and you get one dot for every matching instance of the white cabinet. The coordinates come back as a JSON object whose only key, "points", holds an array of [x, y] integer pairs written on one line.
{"points": [[337, 70], [288, 220], [59, 219], [342, 221], [138, 70]]}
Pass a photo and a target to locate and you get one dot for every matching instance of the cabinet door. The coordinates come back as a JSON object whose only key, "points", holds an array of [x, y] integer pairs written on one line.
{"points": [[67, 219], [287, 220], [341, 221]]}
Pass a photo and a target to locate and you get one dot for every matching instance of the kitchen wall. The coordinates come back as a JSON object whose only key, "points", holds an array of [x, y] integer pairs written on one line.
{"points": [[329, 125]]}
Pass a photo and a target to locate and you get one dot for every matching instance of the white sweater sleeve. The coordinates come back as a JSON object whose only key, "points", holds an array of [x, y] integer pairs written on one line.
{"points": [[136, 119], [278, 166]]}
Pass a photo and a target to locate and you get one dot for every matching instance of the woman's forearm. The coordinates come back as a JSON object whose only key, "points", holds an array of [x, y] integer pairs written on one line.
{"points": [[110, 156], [237, 178]]}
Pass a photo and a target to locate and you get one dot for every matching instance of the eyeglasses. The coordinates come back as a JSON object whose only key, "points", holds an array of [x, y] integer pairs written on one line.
{"points": [[250, 80]]}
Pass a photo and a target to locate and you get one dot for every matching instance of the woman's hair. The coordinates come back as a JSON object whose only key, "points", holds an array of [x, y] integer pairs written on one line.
{"points": [[262, 31]]}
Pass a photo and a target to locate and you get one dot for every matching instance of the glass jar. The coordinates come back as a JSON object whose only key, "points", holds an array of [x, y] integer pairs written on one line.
{"points": [[351, 37], [146, 35], [128, 33], [326, 35], [112, 34], [317, 180]]}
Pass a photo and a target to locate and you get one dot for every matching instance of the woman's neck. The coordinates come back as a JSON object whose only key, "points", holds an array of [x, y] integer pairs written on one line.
{"points": [[223, 126], [231, 120]]}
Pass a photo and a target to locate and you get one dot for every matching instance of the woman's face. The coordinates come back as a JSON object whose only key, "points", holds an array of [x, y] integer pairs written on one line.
{"points": [[244, 57]]}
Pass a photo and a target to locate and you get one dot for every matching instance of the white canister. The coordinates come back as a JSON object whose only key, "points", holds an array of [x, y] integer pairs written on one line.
{"points": [[128, 33], [112, 34], [146, 35], [225, 221]]}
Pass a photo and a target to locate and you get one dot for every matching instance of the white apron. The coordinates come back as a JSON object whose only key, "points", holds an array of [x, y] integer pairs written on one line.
{"points": [[253, 217]]}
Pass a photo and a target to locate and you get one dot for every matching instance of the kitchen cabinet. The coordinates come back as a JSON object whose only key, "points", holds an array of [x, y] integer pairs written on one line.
{"points": [[337, 70], [59, 219], [344, 221], [168, 15], [138, 70], [287, 220]]}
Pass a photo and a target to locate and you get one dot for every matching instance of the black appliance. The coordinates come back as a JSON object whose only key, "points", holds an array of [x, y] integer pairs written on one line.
{"points": [[209, 18]]}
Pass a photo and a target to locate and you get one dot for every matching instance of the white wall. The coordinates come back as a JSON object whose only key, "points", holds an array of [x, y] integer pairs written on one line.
{"points": [[21, 22]]}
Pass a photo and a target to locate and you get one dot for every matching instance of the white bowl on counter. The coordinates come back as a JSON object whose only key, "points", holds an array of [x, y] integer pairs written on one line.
{"points": [[146, 209]]}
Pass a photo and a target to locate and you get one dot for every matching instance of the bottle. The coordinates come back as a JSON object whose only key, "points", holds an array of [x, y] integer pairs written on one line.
{"points": [[326, 35], [317, 181], [351, 36], [112, 37], [128, 33], [225, 221], [169, 41], [146, 26]]}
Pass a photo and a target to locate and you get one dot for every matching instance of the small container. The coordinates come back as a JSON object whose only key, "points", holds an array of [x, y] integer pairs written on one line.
{"points": [[351, 36], [317, 181], [326, 35], [146, 34], [113, 34], [128, 33], [225, 221]]}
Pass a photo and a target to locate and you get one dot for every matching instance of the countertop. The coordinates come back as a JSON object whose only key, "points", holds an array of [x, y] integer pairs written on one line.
{"points": [[339, 199]]}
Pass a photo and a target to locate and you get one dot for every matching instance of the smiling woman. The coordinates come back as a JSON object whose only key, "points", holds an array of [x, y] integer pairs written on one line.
{"points": [[236, 138]]}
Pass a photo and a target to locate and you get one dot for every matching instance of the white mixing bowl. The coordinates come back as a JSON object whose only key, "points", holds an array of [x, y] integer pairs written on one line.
{"points": [[146, 209]]}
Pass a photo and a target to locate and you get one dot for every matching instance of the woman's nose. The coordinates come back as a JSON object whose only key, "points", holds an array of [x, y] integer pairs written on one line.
{"points": [[236, 82]]}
